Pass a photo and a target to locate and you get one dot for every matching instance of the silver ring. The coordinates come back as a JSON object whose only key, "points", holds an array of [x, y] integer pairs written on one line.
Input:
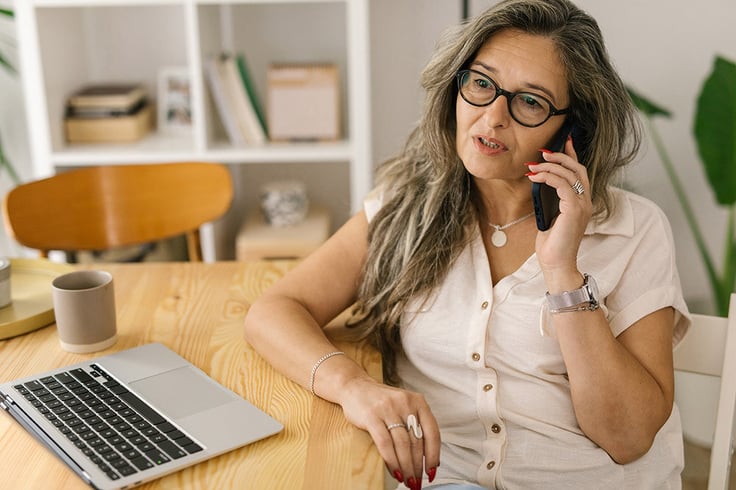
{"points": [[578, 187], [413, 426], [395, 426]]}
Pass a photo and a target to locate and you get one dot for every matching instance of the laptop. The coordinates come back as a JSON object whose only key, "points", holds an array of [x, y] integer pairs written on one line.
{"points": [[133, 416]]}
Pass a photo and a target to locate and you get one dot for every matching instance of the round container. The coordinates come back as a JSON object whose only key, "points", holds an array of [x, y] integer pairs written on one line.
{"points": [[5, 297], [284, 203]]}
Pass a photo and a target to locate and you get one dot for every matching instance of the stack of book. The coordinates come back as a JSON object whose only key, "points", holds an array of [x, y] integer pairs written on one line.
{"points": [[235, 99], [108, 113]]}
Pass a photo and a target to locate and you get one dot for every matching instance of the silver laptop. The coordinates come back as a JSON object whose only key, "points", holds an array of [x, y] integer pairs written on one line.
{"points": [[130, 417]]}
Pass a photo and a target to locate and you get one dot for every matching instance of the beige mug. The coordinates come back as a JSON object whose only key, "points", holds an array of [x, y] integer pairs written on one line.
{"points": [[84, 306]]}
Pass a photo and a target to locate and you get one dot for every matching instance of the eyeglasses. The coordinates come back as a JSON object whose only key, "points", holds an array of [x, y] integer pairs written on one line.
{"points": [[530, 110]]}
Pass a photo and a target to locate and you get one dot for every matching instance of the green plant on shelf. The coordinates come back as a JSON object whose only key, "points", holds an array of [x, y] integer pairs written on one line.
{"points": [[714, 128], [7, 65]]}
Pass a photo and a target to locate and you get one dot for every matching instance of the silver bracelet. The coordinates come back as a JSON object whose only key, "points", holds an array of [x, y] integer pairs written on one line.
{"points": [[581, 307], [317, 365]]}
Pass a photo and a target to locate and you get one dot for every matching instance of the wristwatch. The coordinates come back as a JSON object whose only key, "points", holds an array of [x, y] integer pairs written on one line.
{"points": [[584, 298]]}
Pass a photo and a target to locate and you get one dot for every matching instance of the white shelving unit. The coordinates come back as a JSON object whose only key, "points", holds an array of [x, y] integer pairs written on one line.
{"points": [[64, 44]]}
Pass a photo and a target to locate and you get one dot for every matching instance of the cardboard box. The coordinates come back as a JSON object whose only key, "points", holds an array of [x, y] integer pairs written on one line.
{"points": [[303, 102], [257, 240], [118, 129]]}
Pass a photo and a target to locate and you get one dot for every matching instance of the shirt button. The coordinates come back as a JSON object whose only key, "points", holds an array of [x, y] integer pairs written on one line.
{"points": [[490, 465], [476, 356], [488, 387], [484, 305], [495, 428]]}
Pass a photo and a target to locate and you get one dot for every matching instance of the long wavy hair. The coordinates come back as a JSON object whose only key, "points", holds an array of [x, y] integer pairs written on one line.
{"points": [[427, 215]]}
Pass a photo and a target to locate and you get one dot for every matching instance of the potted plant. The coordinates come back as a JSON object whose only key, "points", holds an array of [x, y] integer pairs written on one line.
{"points": [[6, 65], [714, 128]]}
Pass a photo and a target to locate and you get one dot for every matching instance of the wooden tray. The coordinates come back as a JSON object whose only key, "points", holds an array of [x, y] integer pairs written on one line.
{"points": [[30, 290]]}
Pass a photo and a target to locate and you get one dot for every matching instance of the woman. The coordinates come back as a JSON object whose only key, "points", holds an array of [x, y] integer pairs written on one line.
{"points": [[501, 356]]}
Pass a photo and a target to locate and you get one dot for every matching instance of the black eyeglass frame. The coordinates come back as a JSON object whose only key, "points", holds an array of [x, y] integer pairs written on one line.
{"points": [[553, 111]]}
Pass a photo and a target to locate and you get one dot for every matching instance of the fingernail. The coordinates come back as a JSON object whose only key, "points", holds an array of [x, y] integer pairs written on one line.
{"points": [[399, 477], [411, 483], [431, 473], [545, 150], [528, 174], [531, 164]]}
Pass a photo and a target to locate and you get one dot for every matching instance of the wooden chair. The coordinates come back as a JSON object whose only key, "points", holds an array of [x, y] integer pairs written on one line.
{"points": [[105, 207], [709, 348]]}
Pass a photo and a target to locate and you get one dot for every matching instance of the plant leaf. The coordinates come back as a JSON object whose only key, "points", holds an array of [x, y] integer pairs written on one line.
{"points": [[715, 129], [6, 64], [646, 106], [7, 12]]}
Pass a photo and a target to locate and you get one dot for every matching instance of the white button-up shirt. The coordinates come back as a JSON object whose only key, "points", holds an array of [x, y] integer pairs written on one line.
{"points": [[497, 383]]}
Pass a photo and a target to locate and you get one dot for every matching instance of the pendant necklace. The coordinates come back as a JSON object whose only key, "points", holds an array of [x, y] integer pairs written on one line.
{"points": [[498, 237]]}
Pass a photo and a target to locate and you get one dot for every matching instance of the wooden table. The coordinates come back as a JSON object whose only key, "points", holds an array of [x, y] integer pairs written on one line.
{"points": [[197, 310]]}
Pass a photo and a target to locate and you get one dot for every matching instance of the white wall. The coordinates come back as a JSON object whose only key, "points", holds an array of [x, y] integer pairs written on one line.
{"points": [[663, 48]]}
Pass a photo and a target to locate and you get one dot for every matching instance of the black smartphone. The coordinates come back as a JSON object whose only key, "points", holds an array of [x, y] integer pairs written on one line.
{"points": [[545, 199]]}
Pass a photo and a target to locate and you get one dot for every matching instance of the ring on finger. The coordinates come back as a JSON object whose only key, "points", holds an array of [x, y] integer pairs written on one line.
{"points": [[395, 426], [578, 187], [414, 427]]}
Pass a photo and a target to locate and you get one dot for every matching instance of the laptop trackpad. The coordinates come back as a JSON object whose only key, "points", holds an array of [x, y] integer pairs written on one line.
{"points": [[182, 392]]}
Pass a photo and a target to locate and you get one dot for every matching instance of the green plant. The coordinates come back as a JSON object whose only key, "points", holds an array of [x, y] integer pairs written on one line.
{"points": [[5, 63], [714, 128]]}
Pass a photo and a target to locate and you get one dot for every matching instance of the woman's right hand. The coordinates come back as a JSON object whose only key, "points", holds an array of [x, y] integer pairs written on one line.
{"points": [[379, 409]]}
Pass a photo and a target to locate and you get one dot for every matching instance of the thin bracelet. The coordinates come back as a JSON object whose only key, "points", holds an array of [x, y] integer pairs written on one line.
{"points": [[317, 365]]}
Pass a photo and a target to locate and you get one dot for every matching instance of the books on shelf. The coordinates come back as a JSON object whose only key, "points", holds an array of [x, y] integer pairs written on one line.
{"points": [[114, 129], [119, 96], [216, 79], [235, 99], [107, 112]]}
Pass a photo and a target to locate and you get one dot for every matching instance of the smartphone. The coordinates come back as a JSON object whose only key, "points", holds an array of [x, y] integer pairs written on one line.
{"points": [[545, 199]]}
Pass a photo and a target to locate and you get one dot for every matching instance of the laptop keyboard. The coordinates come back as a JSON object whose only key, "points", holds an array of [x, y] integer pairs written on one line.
{"points": [[115, 429]]}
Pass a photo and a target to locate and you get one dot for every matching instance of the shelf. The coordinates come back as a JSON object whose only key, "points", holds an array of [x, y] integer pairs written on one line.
{"points": [[156, 148], [66, 44], [103, 3]]}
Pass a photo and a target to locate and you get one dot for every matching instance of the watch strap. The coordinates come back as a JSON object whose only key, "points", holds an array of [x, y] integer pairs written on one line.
{"points": [[576, 300]]}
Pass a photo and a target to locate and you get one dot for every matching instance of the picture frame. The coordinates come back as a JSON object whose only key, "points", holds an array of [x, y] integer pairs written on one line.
{"points": [[174, 105]]}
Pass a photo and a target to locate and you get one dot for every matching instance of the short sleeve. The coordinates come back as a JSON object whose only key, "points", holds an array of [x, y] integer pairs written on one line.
{"points": [[649, 279]]}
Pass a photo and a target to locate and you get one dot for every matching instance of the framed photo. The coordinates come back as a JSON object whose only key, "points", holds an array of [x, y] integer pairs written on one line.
{"points": [[174, 100]]}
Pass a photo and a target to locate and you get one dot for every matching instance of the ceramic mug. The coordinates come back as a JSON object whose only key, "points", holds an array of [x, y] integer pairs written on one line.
{"points": [[84, 306]]}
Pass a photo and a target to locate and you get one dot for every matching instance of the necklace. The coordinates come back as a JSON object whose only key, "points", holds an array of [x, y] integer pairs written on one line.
{"points": [[498, 237]]}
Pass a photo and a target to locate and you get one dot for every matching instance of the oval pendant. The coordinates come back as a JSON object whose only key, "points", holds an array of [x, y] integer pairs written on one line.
{"points": [[498, 238]]}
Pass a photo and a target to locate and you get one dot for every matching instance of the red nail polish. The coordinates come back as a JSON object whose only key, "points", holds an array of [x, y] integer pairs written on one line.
{"points": [[431, 473], [411, 483], [531, 164], [529, 173], [545, 150], [399, 477]]}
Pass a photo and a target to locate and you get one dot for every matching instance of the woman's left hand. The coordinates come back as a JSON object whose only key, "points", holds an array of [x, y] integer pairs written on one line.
{"points": [[557, 248]]}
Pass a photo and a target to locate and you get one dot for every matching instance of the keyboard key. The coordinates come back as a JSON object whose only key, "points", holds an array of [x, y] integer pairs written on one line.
{"points": [[157, 456], [64, 378], [150, 414], [192, 448], [141, 463], [33, 385], [81, 376], [172, 449]]}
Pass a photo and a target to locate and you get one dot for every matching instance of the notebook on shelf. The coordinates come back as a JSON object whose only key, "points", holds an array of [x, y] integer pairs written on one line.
{"points": [[131, 417]]}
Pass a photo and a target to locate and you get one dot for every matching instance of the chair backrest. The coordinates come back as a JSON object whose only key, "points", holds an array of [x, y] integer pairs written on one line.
{"points": [[104, 207], [709, 348]]}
